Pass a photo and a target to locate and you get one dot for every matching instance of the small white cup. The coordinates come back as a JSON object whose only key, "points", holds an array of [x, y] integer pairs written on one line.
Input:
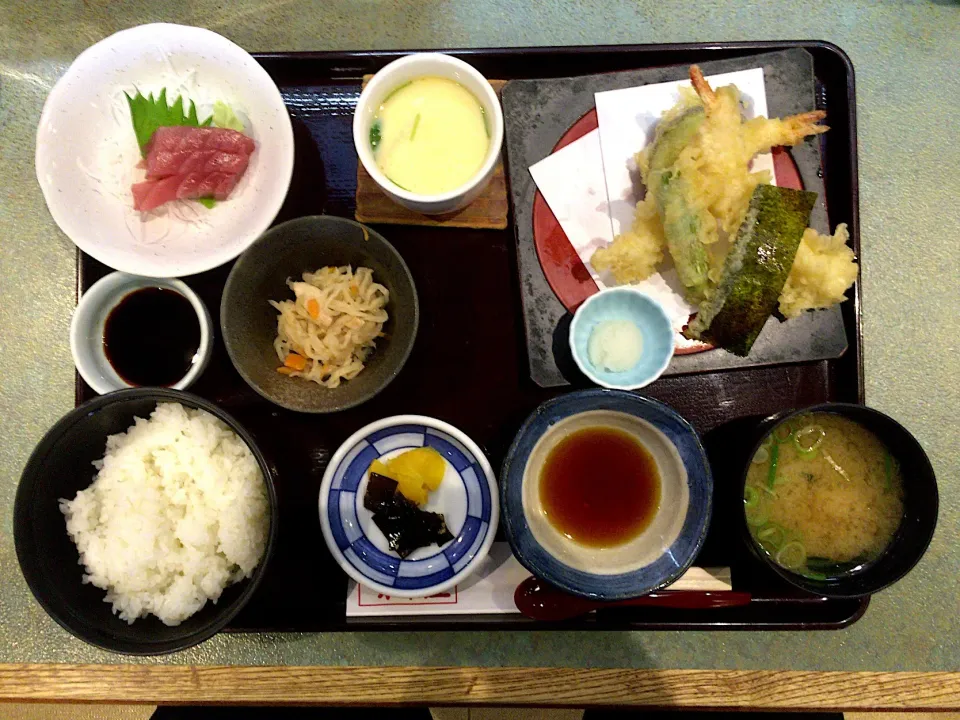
{"points": [[401, 71], [90, 317]]}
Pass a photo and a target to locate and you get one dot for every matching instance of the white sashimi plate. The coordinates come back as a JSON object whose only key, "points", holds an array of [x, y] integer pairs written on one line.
{"points": [[87, 152]]}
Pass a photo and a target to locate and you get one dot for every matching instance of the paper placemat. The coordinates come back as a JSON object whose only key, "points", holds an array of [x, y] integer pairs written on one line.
{"points": [[489, 590]]}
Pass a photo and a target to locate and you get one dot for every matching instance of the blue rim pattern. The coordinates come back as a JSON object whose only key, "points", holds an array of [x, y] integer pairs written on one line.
{"points": [[388, 569], [674, 561]]}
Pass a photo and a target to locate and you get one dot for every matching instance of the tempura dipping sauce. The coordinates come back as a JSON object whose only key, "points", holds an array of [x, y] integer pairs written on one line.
{"points": [[430, 136], [600, 487]]}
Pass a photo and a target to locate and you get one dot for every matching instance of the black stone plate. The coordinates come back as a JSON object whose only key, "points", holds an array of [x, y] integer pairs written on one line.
{"points": [[538, 112]]}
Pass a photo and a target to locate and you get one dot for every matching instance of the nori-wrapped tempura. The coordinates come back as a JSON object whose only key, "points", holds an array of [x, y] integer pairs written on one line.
{"points": [[755, 269]]}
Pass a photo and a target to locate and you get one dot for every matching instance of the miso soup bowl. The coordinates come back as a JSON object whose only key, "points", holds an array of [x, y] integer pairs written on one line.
{"points": [[401, 72], [920, 506]]}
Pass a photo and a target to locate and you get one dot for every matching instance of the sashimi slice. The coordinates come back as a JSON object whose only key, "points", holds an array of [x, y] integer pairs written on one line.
{"points": [[225, 186], [190, 186], [208, 185], [189, 163], [151, 194], [164, 163], [183, 137], [181, 150]]}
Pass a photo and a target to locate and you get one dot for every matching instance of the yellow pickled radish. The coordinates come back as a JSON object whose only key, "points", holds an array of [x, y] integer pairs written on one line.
{"points": [[380, 468], [425, 463], [412, 488], [417, 472]]}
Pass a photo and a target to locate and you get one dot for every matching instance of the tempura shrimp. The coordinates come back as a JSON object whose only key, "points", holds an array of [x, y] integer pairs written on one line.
{"points": [[760, 134]]}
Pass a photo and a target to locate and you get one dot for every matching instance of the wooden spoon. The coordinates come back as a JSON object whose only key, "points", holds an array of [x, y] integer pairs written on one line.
{"points": [[541, 601]]}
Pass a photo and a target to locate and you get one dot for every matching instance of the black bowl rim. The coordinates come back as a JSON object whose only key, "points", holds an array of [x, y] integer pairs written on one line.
{"points": [[48, 443], [812, 586], [408, 348]]}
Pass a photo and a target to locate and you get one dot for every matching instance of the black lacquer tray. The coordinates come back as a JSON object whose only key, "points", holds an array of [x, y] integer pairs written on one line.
{"points": [[469, 365]]}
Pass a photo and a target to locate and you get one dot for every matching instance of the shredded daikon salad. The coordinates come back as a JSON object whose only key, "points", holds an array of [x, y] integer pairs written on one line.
{"points": [[328, 332]]}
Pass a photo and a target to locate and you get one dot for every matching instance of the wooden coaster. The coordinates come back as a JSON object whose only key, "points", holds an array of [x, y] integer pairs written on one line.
{"points": [[489, 211]]}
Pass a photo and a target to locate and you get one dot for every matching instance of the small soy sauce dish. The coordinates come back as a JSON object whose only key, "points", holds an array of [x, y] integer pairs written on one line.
{"points": [[131, 331]]}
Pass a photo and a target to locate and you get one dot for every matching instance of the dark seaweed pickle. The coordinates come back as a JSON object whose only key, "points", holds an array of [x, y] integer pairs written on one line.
{"points": [[405, 526]]}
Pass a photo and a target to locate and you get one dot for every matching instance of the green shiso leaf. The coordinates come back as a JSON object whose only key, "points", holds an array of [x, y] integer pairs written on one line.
{"points": [[149, 113]]}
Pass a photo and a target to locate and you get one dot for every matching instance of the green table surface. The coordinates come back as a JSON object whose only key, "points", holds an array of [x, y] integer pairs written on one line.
{"points": [[908, 100]]}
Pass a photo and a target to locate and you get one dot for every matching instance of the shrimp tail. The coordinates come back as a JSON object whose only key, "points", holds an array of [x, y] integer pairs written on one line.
{"points": [[797, 127]]}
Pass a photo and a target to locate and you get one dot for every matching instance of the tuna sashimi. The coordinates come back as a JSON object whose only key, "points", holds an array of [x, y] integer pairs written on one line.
{"points": [[185, 162], [161, 164], [184, 137], [151, 194], [179, 150]]}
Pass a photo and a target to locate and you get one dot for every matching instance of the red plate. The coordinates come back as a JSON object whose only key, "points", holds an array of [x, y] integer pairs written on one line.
{"points": [[565, 272]]}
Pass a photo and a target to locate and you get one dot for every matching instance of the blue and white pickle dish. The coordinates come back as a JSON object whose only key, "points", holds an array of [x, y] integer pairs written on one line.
{"points": [[656, 557], [467, 498], [649, 352]]}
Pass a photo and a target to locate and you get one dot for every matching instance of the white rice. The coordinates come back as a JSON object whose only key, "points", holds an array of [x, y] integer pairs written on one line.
{"points": [[177, 512]]}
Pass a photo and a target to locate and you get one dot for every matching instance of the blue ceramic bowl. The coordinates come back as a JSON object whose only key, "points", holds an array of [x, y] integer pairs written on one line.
{"points": [[467, 498], [655, 558], [624, 303]]}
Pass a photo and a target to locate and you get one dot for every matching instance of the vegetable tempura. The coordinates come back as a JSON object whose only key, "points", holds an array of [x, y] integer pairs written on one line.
{"points": [[698, 187]]}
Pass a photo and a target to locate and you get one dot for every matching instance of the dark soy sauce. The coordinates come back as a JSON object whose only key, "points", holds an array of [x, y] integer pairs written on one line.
{"points": [[600, 487], [152, 336]]}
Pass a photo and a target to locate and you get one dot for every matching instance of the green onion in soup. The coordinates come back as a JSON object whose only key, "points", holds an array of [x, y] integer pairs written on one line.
{"points": [[823, 495]]}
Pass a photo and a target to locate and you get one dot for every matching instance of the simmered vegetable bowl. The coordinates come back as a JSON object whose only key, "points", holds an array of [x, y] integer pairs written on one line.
{"points": [[823, 496]]}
